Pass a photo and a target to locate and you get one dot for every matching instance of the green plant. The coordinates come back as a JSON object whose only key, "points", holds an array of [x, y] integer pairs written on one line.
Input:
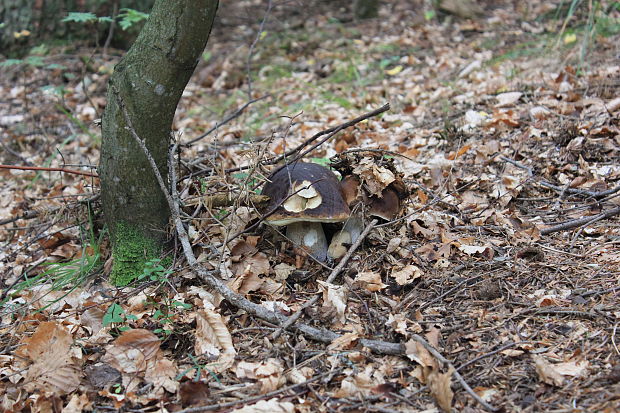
{"points": [[164, 315], [116, 314], [154, 271], [126, 18], [78, 17], [129, 17], [117, 388], [34, 61], [198, 367]]}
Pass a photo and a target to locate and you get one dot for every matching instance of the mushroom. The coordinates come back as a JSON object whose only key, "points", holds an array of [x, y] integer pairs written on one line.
{"points": [[386, 207], [305, 195]]}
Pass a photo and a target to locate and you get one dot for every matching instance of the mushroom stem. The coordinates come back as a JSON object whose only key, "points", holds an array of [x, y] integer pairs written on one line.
{"points": [[343, 239], [310, 236]]}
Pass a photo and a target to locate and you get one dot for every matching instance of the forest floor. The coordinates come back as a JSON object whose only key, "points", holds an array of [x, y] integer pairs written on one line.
{"points": [[499, 281]]}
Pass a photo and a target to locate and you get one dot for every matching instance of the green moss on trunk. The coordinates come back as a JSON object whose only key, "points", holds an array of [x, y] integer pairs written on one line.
{"points": [[131, 250]]}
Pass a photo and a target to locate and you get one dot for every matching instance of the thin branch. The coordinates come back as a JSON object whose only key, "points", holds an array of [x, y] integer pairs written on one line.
{"points": [[265, 396], [330, 132], [563, 189], [229, 199], [491, 353], [49, 169], [35, 213], [458, 376], [226, 120], [581, 221]]}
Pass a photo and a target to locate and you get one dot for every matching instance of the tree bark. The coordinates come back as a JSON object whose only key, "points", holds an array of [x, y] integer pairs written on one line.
{"points": [[149, 81]]}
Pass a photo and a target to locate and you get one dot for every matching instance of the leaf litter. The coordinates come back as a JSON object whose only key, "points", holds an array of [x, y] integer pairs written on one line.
{"points": [[506, 139]]}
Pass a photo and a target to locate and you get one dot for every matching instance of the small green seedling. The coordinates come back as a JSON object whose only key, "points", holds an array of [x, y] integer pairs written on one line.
{"points": [[117, 315], [154, 271]]}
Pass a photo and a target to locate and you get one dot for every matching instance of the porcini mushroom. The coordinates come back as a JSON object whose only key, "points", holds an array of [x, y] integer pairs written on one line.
{"points": [[305, 195], [387, 206]]}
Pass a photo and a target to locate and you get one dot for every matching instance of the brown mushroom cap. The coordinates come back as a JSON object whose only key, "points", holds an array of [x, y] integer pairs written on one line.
{"points": [[306, 192], [387, 206], [350, 185]]}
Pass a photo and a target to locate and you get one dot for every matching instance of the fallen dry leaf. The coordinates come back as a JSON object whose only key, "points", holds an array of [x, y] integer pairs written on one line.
{"points": [[439, 386], [369, 280], [407, 274], [346, 341], [53, 368], [267, 406], [335, 297], [213, 338], [554, 373], [417, 352], [269, 373]]}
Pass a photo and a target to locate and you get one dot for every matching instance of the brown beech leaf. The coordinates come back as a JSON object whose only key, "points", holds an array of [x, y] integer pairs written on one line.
{"points": [[407, 274], [130, 352], [369, 280], [213, 338], [53, 368], [554, 373], [269, 373], [439, 386], [417, 352]]}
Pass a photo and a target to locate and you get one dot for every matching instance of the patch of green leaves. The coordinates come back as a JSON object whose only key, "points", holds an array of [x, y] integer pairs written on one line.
{"points": [[11, 62], [321, 161], [130, 17], [126, 18], [117, 315], [78, 17], [164, 315], [154, 271]]}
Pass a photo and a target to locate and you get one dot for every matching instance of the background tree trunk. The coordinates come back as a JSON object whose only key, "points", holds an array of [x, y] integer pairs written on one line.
{"points": [[366, 9], [42, 18], [149, 80]]}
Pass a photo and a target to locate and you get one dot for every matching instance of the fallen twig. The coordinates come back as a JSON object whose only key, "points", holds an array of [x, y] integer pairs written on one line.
{"points": [[563, 189], [458, 376], [49, 169], [581, 221], [226, 120], [297, 151], [35, 213], [265, 396], [228, 199]]}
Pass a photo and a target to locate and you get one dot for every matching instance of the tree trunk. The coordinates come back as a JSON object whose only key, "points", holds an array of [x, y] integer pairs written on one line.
{"points": [[149, 81], [366, 9]]}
